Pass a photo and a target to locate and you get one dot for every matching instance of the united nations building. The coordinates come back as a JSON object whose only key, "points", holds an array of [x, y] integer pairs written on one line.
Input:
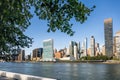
{"points": [[48, 50]]}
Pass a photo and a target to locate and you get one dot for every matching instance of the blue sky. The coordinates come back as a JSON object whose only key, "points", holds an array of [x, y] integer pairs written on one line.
{"points": [[94, 26]]}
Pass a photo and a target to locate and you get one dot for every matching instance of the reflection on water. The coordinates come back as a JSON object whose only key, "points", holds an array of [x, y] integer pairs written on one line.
{"points": [[66, 71]]}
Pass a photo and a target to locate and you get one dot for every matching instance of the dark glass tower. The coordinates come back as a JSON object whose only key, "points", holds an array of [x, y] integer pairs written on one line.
{"points": [[108, 32]]}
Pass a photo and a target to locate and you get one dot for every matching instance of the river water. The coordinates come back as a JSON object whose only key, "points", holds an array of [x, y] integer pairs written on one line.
{"points": [[66, 71]]}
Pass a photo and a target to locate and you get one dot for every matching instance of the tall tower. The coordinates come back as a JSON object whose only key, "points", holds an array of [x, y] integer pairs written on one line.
{"points": [[48, 50], [21, 55], [108, 32], [75, 52], [85, 41], [78, 46], [97, 49], [92, 42], [84, 48], [71, 48], [79, 49]]}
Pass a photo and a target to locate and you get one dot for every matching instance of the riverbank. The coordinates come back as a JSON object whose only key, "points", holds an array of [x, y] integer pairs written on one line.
{"points": [[84, 61], [77, 61], [67, 61], [87, 61]]}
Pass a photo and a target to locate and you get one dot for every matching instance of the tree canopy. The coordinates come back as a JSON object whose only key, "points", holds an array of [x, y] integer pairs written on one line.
{"points": [[15, 18]]}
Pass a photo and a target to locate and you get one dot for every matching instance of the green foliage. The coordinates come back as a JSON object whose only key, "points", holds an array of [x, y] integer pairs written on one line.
{"points": [[15, 18], [58, 13], [100, 57]]}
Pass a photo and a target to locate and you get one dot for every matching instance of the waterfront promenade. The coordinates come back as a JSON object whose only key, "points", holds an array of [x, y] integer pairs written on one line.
{"points": [[5, 78], [5, 75]]}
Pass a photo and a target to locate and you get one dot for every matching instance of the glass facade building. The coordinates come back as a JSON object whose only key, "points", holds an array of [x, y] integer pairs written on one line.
{"points": [[84, 48], [48, 50], [108, 32], [21, 55], [72, 50], [37, 53]]}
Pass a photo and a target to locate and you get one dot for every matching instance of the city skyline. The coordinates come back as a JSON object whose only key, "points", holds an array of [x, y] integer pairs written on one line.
{"points": [[94, 26], [91, 53]]}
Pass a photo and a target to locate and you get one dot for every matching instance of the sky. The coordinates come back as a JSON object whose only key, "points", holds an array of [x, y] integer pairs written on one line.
{"points": [[94, 26]]}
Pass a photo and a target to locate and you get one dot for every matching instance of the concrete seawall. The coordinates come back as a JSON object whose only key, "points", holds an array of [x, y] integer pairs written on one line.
{"points": [[19, 76]]}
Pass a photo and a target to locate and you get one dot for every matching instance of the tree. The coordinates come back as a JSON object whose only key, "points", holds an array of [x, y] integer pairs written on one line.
{"points": [[15, 18]]}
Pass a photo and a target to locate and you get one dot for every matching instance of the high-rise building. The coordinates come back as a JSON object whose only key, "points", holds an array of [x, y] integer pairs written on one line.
{"points": [[84, 48], [97, 49], [48, 51], [37, 54], [65, 50], [78, 46], [114, 46], [75, 52], [89, 51], [79, 49], [55, 50], [21, 55], [103, 50], [92, 43], [31, 56], [117, 44], [71, 48], [108, 32], [28, 58], [68, 53]]}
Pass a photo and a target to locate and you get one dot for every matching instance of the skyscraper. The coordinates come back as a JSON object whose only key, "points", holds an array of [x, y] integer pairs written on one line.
{"points": [[21, 55], [117, 44], [84, 48], [48, 50], [78, 46], [73, 50], [108, 32], [92, 42], [37, 54], [97, 49], [103, 50], [68, 53], [79, 49]]}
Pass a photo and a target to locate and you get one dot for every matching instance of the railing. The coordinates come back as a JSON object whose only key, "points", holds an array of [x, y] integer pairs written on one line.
{"points": [[19, 76]]}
